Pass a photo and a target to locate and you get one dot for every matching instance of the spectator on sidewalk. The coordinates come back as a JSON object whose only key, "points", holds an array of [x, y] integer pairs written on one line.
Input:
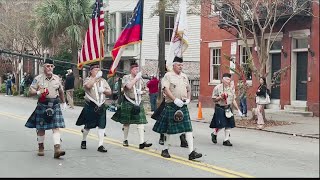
{"points": [[243, 97], [224, 96], [69, 87], [9, 86], [258, 112], [22, 85], [153, 86]]}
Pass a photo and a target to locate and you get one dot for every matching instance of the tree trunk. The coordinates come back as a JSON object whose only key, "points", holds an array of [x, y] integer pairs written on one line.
{"points": [[75, 69], [161, 55]]}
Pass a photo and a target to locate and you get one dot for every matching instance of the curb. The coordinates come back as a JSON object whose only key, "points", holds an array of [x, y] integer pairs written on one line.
{"points": [[278, 132]]}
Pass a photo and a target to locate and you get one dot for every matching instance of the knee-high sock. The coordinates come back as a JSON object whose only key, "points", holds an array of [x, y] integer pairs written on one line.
{"points": [[226, 133], [40, 139], [167, 141], [189, 139], [85, 134], [141, 133], [216, 130], [125, 132], [101, 136], [56, 138]]}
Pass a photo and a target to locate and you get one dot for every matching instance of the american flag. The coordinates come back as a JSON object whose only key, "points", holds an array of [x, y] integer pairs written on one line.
{"points": [[92, 46]]}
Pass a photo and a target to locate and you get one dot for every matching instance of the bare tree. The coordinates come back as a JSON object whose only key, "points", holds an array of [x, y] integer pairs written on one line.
{"points": [[17, 32]]}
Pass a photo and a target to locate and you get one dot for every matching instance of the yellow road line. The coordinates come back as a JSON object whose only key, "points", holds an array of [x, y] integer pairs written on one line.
{"points": [[199, 165]]}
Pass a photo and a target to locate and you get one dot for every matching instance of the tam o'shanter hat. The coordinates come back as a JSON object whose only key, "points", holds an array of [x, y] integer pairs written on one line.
{"points": [[178, 59], [134, 64], [48, 61], [94, 65], [226, 75]]}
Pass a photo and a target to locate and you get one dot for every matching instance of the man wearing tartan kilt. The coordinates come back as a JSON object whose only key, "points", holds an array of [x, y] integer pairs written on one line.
{"points": [[93, 113], [224, 96], [175, 118], [131, 110], [47, 114]]}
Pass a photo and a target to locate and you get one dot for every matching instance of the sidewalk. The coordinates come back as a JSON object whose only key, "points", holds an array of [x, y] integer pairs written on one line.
{"points": [[299, 125]]}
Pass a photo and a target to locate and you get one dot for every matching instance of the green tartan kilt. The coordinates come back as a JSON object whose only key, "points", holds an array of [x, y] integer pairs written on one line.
{"points": [[166, 123], [91, 116], [123, 114]]}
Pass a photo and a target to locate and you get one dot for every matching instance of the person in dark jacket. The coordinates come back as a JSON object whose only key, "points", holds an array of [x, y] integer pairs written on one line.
{"points": [[259, 110], [69, 87]]}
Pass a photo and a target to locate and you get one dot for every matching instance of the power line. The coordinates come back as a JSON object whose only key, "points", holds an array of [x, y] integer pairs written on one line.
{"points": [[54, 60]]}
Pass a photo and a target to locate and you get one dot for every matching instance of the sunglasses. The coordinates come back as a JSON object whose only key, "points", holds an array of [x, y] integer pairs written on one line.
{"points": [[49, 66]]}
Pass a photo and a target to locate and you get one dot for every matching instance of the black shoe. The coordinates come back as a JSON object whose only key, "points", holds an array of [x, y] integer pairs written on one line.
{"points": [[83, 144], [125, 143], [194, 155], [214, 138], [227, 143], [165, 153], [102, 149], [143, 145], [184, 142]]}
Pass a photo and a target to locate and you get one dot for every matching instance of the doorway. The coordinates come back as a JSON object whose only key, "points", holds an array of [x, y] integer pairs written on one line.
{"points": [[275, 66], [302, 76]]}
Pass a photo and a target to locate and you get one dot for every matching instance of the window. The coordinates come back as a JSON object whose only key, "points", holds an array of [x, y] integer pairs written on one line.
{"points": [[215, 60], [125, 18], [245, 62], [300, 43], [169, 25], [276, 45], [112, 29]]}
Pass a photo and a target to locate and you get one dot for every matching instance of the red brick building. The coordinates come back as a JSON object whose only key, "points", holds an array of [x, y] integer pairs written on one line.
{"points": [[297, 46]]}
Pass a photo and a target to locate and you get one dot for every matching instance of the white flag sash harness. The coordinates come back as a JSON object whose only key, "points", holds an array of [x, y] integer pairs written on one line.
{"points": [[100, 99]]}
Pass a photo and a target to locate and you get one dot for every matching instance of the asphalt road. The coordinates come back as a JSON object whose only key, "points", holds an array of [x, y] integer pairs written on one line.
{"points": [[254, 153]]}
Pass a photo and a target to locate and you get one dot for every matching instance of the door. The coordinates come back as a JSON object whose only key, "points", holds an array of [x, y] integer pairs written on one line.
{"points": [[276, 66], [302, 73]]}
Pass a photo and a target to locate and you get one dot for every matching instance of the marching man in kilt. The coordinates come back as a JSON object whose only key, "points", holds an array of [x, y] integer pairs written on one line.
{"points": [[223, 95], [47, 114], [175, 118], [93, 113], [131, 110]]}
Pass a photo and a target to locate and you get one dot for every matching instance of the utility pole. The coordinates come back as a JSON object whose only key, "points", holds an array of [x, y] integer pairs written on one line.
{"points": [[161, 47]]}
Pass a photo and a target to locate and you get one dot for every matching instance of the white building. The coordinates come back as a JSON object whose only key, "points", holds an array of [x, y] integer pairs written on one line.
{"points": [[120, 12]]}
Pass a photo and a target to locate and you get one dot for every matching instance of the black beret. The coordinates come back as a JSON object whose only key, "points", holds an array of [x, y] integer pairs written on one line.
{"points": [[48, 61], [94, 65], [133, 64], [178, 59], [226, 75]]}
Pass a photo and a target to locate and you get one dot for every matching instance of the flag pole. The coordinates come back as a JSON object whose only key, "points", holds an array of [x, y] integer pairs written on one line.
{"points": [[140, 56]]}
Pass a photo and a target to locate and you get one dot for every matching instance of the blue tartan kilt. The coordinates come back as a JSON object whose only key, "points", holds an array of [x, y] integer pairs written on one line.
{"points": [[124, 114], [166, 123], [219, 119], [40, 120], [91, 116]]}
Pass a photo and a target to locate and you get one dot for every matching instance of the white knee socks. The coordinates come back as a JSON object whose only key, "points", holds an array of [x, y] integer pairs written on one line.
{"points": [[125, 132], [101, 136], [140, 128], [85, 134], [189, 139], [56, 138], [226, 133], [167, 141], [40, 139]]}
